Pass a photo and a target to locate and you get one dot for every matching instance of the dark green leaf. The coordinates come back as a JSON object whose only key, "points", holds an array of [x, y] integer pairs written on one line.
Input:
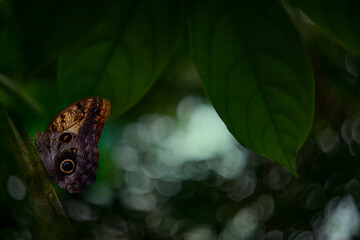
{"points": [[256, 74], [49, 27], [11, 59], [11, 92], [340, 19], [125, 55]]}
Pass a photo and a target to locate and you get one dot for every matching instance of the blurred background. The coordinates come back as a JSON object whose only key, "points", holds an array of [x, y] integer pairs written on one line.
{"points": [[169, 169]]}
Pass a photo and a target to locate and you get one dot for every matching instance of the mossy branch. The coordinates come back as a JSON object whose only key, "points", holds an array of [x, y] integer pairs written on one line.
{"points": [[51, 220]]}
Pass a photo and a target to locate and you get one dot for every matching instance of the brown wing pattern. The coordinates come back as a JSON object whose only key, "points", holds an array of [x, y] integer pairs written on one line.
{"points": [[72, 117], [101, 118], [72, 137]]}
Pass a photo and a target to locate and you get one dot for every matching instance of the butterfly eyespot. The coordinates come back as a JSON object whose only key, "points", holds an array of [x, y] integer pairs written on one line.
{"points": [[65, 138], [68, 160], [96, 110], [67, 166]]}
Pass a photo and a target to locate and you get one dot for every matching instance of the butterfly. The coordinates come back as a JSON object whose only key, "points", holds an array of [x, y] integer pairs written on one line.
{"points": [[68, 147]]}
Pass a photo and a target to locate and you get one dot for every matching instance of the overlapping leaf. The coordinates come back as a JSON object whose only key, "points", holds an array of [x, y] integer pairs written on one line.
{"points": [[256, 74], [339, 19], [126, 53]]}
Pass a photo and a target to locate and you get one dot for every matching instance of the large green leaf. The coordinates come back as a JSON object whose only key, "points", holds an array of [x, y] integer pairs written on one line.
{"points": [[126, 54], [49, 27], [340, 19], [11, 59], [256, 74]]}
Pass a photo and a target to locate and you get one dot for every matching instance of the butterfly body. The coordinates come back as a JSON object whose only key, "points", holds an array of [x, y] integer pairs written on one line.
{"points": [[68, 147]]}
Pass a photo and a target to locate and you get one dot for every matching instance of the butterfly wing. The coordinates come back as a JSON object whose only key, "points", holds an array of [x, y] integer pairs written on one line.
{"points": [[72, 118], [73, 165], [68, 146]]}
